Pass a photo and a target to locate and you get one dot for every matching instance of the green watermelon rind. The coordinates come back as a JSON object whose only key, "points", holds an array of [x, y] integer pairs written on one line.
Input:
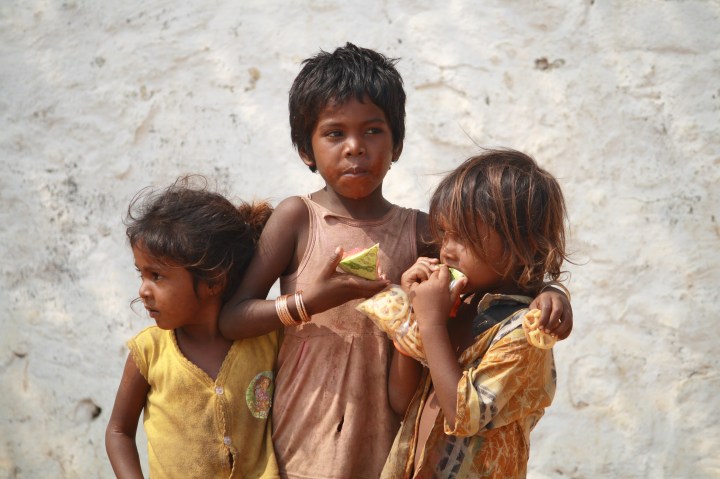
{"points": [[456, 274], [363, 264]]}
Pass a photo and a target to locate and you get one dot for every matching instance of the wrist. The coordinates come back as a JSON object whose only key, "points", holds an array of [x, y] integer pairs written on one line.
{"points": [[557, 286]]}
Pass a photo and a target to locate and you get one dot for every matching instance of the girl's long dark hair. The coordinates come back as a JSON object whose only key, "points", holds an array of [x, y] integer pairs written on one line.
{"points": [[189, 226]]}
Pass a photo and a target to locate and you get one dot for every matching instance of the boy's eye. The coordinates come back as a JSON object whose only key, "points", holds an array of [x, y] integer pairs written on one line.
{"points": [[334, 134], [374, 131]]}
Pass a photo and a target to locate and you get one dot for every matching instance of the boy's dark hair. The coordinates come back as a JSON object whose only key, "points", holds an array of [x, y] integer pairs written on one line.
{"points": [[336, 77], [507, 191], [188, 226]]}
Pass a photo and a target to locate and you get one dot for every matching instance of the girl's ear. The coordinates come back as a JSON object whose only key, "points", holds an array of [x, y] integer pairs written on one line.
{"points": [[217, 287]]}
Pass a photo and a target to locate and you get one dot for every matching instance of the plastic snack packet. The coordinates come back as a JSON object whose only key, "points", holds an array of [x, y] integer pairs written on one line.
{"points": [[391, 311]]}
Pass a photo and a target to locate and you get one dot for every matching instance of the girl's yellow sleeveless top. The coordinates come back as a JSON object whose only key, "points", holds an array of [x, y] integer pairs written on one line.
{"points": [[200, 428]]}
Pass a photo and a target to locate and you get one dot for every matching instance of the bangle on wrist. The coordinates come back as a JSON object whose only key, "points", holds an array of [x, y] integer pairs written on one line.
{"points": [[300, 306], [556, 285], [281, 308]]}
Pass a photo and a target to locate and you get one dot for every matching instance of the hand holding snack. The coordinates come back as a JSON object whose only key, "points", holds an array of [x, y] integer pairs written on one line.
{"points": [[533, 333], [420, 271]]}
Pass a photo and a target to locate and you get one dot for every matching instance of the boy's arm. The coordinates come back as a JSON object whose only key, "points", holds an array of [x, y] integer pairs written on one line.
{"points": [[556, 315], [279, 252], [247, 314], [120, 433]]}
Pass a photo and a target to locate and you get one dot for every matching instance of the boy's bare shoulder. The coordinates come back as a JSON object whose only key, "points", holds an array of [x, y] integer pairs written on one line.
{"points": [[292, 205], [290, 214]]}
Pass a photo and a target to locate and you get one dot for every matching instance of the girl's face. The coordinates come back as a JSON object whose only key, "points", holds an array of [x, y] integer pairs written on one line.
{"points": [[353, 147], [167, 292], [483, 274]]}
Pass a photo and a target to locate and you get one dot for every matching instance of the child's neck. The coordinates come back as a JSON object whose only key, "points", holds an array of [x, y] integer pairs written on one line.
{"points": [[370, 207], [203, 346]]}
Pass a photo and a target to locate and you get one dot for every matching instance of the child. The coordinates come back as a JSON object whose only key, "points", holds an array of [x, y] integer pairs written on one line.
{"points": [[500, 219], [206, 399], [331, 416]]}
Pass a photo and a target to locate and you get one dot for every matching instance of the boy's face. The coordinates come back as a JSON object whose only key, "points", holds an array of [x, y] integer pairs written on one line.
{"points": [[353, 147]]}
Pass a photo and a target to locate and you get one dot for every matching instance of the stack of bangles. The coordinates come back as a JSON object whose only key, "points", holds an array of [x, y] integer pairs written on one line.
{"points": [[556, 285], [283, 312]]}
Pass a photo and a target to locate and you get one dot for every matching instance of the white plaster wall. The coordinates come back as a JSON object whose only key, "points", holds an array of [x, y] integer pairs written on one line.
{"points": [[619, 99]]}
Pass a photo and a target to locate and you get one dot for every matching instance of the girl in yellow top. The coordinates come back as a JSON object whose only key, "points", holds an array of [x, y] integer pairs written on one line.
{"points": [[500, 219], [206, 399]]}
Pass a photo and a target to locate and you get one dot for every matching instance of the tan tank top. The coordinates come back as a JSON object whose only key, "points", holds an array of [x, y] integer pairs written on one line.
{"points": [[331, 416]]}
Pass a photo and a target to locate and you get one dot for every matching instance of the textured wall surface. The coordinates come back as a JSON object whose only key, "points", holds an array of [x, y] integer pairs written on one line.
{"points": [[620, 100]]}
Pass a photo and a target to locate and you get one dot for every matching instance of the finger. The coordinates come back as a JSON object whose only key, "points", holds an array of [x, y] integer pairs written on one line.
{"points": [[421, 271], [565, 324], [564, 330], [552, 321], [426, 260], [332, 264], [545, 308]]}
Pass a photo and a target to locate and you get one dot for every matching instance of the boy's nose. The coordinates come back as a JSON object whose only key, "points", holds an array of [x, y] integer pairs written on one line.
{"points": [[355, 146]]}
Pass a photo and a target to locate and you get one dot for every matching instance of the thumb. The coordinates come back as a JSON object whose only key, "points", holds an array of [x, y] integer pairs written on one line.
{"points": [[332, 264]]}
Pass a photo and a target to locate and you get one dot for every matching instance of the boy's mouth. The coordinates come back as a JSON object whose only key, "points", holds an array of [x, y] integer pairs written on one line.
{"points": [[355, 170]]}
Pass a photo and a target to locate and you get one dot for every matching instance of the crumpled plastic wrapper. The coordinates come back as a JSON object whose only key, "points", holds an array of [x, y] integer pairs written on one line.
{"points": [[391, 311]]}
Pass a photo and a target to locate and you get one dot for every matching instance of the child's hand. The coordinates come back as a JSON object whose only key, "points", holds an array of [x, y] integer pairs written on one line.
{"points": [[432, 299], [556, 317], [330, 288], [419, 272]]}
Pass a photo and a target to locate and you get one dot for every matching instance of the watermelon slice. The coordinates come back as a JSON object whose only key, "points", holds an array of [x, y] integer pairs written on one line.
{"points": [[363, 263], [456, 275]]}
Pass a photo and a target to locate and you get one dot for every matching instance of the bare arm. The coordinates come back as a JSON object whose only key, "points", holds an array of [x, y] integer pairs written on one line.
{"points": [[279, 252], [432, 304], [404, 378], [247, 314], [120, 433], [405, 372]]}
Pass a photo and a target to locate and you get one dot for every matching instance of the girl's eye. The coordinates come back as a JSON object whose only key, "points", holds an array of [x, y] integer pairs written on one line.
{"points": [[333, 134], [374, 131]]}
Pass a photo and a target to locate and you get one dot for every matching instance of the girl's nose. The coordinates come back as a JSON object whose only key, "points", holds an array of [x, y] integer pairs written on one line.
{"points": [[144, 290], [447, 249]]}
